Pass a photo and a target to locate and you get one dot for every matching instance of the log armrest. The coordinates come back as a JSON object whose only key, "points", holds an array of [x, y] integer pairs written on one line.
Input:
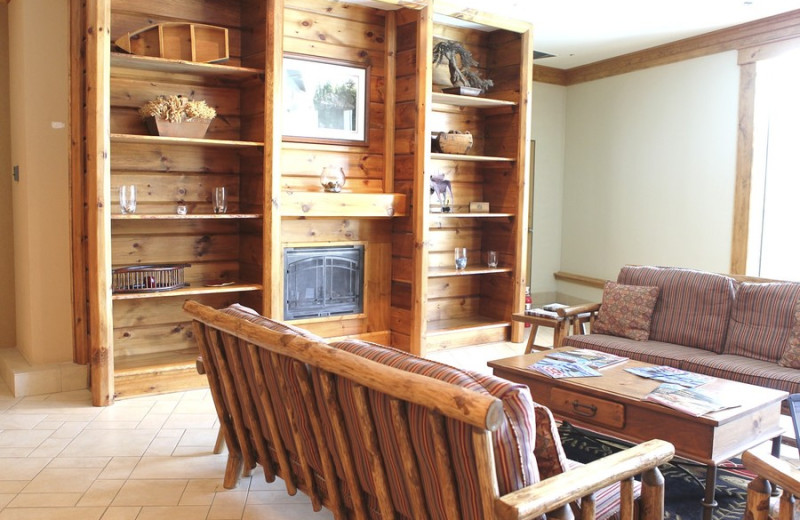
{"points": [[770, 471], [568, 312], [581, 482]]}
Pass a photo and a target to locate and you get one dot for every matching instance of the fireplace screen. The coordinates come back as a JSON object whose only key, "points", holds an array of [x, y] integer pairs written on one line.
{"points": [[323, 281]]}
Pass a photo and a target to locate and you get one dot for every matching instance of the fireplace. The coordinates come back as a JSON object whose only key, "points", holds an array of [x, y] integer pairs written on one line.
{"points": [[323, 281]]}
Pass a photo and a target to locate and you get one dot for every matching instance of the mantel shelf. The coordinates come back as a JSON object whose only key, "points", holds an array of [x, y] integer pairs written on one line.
{"points": [[174, 216], [469, 158], [438, 214], [150, 63], [469, 101], [187, 291], [155, 139], [438, 272], [323, 204]]}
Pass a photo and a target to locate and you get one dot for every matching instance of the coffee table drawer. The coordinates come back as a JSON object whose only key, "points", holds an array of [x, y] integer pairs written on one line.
{"points": [[587, 408]]}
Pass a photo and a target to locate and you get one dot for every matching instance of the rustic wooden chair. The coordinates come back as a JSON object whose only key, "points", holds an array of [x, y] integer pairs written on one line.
{"points": [[770, 471]]}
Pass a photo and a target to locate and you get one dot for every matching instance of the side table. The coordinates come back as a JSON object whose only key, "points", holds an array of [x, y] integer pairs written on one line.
{"points": [[559, 325]]}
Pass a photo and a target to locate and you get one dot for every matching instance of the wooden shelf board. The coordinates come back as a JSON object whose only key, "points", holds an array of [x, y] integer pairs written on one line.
{"points": [[468, 158], [187, 291], [438, 272], [438, 327], [471, 215], [185, 141], [322, 204], [173, 359], [132, 61], [172, 216], [469, 101]]}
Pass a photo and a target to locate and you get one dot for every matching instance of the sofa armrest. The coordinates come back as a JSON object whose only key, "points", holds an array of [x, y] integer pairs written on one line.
{"points": [[581, 482], [568, 312]]}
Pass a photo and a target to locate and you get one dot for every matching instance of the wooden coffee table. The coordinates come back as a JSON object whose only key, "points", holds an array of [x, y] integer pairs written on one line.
{"points": [[613, 405]]}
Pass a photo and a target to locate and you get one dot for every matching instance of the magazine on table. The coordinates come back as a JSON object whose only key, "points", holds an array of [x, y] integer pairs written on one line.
{"points": [[549, 311], [672, 375], [558, 369], [593, 358], [692, 401]]}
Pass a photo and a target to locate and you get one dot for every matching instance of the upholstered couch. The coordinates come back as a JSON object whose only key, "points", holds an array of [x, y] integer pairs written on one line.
{"points": [[709, 323], [372, 432]]}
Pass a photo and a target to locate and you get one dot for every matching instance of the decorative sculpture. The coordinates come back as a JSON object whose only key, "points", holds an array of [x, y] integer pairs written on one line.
{"points": [[440, 187], [460, 62]]}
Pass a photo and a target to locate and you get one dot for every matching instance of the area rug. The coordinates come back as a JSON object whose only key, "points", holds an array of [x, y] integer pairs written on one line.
{"points": [[683, 482]]}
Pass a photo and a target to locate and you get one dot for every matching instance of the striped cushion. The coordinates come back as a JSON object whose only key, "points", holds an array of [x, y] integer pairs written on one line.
{"points": [[762, 319], [248, 314], [791, 358], [693, 307], [513, 440], [746, 370], [655, 352]]}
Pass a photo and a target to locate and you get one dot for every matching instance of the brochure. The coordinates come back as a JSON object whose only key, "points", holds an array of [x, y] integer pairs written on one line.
{"points": [[539, 311], [593, 358], [671, 375], [688, 400], [558, 369]]}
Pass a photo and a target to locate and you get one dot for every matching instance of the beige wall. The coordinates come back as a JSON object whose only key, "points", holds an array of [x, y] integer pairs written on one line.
{"points": [[39, 61], [648, 172], [8, 337]]}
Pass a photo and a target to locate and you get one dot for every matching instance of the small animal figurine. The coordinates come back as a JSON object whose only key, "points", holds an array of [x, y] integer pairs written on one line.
{"points": [[440, 187]]}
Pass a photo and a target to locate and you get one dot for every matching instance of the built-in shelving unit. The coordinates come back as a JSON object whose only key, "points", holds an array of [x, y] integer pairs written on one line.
{"points": [[435, 305]]}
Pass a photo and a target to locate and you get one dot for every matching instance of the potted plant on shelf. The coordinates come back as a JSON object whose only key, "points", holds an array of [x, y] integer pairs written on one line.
{"points": [[177, 116], [460, 62]]}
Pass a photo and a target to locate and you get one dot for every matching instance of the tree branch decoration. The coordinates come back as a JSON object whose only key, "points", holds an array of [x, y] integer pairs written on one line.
{"points": [[461, 74]]}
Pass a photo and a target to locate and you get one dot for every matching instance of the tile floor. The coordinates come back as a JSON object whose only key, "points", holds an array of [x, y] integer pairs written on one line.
{"points": [[147, 458]]}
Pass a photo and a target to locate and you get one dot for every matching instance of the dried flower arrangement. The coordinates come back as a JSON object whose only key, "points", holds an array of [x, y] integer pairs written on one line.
{"points": [[177, 109], [460, 62]]}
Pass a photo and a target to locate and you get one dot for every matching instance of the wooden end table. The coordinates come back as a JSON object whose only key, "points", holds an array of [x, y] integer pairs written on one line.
{"points": [[613, 405], [559, 325]]}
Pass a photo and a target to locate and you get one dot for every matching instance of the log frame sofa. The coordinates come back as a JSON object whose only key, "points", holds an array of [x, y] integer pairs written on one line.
{"points": [[740, 328], [371, 432]]}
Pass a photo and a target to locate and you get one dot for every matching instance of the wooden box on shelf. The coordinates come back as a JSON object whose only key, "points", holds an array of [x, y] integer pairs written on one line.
{"points": [[196, 128], [178, 41]]}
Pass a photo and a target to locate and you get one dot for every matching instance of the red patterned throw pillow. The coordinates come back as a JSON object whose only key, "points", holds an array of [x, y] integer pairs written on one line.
{"points": [[791, 357], [626, 311]]}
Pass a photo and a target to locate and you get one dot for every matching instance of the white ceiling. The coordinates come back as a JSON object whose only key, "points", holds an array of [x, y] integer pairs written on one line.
{"points": [[584, 31]]}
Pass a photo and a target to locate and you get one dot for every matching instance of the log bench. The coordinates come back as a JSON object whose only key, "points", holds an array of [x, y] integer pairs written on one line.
{"points": [[372, 432]]}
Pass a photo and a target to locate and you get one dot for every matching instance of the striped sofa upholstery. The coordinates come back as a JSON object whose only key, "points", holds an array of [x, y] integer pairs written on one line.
{"points": [[712, 324]]}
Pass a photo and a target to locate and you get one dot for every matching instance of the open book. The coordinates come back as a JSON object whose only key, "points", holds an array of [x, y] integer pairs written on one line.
{"points": [[693, 401], [592, 358]]}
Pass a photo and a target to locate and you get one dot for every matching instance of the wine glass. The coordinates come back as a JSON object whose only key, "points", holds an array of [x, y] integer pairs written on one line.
{"points": [[127, 199], [220, 200], [461, 258]]}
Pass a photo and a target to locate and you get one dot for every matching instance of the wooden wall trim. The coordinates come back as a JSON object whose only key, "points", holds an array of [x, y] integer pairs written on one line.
{"points": [[744, 167], [544, 74], [588, 281], [775, 28]]}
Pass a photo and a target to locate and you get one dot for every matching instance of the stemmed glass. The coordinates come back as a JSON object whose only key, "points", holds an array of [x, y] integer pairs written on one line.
{"points": [[220, 200], [127, 199], [460, 254]]}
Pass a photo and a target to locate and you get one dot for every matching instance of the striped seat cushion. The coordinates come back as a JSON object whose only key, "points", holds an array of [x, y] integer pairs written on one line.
{"points": [[746, 370], [513, 440], [655, 352], [693, 307], [762, 319]]}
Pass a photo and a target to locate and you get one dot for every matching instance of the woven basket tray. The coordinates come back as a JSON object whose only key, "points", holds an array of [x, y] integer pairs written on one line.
{"points": [[452, 142], [148, 278]]}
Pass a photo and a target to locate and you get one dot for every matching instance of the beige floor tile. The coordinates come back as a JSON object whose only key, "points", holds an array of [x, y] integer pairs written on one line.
{"points": [[16, 421], [45, 500], [200, 492], [173, 513], [5, 498], [162, 446], [12, 468], [119, 468], [101, 493], [153, 420], [277, 496], [228, 505], [191, 420], [167, 432], [122, 513], [68, 430], [50, 425], [49, 513], [59, 480], [150, 493], [208, 466], [14, 452], [80, 462], [199, 437], [284, 512], [110, 443], [50, 447], [12, 486], [23, 438]]}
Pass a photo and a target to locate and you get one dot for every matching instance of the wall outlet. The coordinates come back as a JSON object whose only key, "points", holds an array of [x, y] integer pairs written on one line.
{"points": [[15, 173]]}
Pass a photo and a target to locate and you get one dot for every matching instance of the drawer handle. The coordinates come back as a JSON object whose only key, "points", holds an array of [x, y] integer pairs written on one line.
{"points": [[585, 410]]}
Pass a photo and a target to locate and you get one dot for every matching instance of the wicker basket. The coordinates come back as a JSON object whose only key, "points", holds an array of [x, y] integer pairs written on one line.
{"points": [[451, 142], [148, 278]]}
